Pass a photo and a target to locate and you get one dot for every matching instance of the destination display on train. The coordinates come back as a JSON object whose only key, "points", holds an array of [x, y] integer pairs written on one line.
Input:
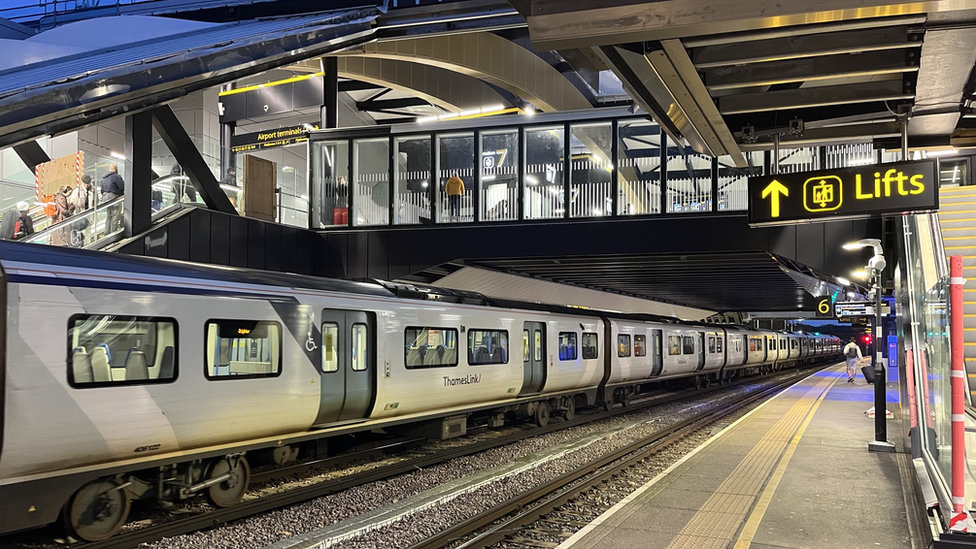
{"points": [[844, 193]]}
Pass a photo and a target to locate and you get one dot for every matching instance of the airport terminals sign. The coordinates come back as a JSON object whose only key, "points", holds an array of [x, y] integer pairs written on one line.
{"points": [[843, 193], [269, 139]]}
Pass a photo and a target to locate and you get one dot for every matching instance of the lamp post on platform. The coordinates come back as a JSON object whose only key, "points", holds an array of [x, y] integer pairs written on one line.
{"points": [[875, 265]]}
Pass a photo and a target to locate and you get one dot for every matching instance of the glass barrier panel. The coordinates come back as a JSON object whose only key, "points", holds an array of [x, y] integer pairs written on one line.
{"points": [[846, 156], [455, 158], [590, 187], [802, 159], [413, 163], [689, 185], [330, 187], [733, 182], [927, 325], [543, 189], [371, 172], [499, 175], [638, 168]]}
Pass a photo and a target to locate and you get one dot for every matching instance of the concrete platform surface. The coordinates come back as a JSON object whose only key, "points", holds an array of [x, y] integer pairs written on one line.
{"points": [[794, 473]]}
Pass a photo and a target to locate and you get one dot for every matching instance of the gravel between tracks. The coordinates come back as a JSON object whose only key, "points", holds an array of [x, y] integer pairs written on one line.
{"points": [[285, 523]]}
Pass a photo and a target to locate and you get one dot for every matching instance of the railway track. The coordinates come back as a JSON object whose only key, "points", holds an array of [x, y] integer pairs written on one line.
{"points": [[543, 511], [265, 503]]}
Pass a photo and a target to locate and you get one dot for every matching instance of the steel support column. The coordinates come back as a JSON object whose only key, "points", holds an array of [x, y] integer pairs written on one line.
{"points": [[186, 153], [476, 175], [568, 171], [714, 183], [664, 172], [137, 204], [228, 158], [31, 154], [329, 114]]}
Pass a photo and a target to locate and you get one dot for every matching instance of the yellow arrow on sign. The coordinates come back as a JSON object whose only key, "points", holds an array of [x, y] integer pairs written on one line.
{"points": [[775, 188]]}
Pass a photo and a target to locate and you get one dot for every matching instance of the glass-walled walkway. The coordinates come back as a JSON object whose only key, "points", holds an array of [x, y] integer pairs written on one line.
{"points": [[572, 165]]}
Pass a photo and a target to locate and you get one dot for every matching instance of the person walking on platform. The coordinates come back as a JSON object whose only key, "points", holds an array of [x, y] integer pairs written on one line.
{"points": [[454, 189], [853, 354]]}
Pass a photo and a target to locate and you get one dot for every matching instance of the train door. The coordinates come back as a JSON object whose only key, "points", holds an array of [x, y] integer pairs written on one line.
{"points": [[700, 337], [534, 359], [348, 365], [657, 355]]}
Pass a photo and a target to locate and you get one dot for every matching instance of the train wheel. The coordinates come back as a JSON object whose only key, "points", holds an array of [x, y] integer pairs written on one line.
{"points": [[98, 510], [570, 412], [231, 490], [542, 414]]}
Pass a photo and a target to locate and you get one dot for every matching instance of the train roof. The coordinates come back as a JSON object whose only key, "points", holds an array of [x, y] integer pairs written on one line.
{"points": [[18, 258]]}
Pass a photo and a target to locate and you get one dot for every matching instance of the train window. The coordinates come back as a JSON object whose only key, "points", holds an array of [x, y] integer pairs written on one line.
{"points": [[591, 346], [711, 344], [359, 347], [687, 345], [640, 345], [538, 345], [793, 344], [623, 345], [753, 347], [525, 346], [718, 344], [567, 346], [121, 350], [238, 349], [430, 347], [330, 354], [782, 344], [674, 345], [487, 346]]}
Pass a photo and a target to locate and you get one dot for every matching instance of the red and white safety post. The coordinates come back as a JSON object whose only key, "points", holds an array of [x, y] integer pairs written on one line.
{"points": [[956, 282]]}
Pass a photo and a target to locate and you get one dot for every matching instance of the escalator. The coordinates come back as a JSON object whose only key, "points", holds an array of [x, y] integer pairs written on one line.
{"points": [[98, 228]]}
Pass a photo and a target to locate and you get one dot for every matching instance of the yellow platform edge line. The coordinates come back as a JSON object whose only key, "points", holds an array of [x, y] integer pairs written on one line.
{"points": [[751, 527]]}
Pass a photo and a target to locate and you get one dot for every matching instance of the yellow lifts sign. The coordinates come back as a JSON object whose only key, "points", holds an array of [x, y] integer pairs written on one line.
{"points": [[845, 193]]}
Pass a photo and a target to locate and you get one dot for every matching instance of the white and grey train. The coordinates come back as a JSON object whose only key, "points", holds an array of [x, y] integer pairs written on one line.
{"points": [[129, 378]]}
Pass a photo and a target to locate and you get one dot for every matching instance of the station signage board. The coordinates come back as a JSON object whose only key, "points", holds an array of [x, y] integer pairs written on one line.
{"points": [[825, 307], [269, 139], [846, 310], [844, 193]]}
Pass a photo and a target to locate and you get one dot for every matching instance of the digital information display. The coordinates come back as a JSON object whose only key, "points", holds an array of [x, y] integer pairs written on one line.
{"points": [[858, 309], [845, 193]]}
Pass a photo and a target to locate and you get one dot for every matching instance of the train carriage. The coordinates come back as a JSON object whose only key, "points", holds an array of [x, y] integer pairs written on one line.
{"points": [[126, 377]]}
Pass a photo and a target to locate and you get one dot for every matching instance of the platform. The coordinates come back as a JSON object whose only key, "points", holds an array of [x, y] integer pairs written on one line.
{"points": [[793, 473]]}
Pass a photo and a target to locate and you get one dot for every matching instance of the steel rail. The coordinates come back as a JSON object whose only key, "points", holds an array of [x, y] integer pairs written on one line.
{"points": [[534, 504], [264, 504]]}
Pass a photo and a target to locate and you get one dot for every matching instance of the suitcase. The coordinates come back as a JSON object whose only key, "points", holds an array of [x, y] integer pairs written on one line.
{"points": [[340, 216], [868, 372]]}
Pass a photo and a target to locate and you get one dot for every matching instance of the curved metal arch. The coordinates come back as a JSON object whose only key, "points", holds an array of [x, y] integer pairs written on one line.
{"points": [[443, 88], [489, 58]]}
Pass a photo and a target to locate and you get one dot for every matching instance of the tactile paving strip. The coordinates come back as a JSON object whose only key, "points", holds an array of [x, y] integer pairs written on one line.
{"points": [[719, 518]]}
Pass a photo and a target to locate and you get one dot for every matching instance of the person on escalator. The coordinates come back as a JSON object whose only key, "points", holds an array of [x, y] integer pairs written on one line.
{"points": [[17, 223], [112, 187]]}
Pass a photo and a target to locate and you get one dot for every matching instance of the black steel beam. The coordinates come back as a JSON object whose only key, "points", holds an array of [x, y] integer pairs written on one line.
{"points": [[796, 47], [186, 153], [137, 204], [31, 154], [821, 96], [356, 85], [821, 68], [383, 104]]}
